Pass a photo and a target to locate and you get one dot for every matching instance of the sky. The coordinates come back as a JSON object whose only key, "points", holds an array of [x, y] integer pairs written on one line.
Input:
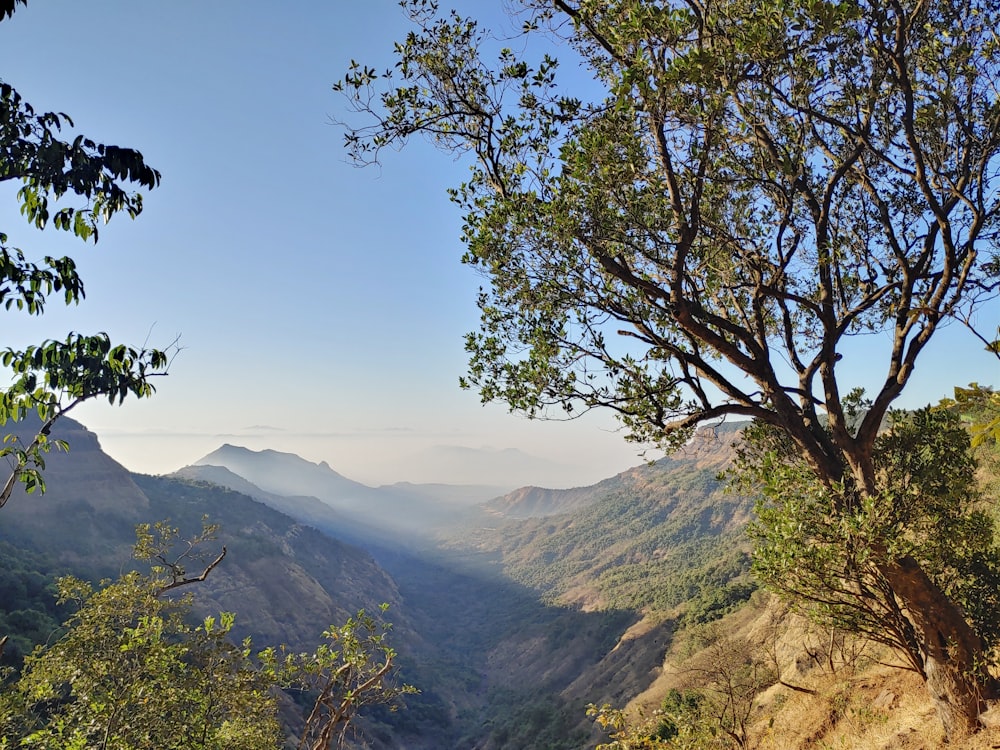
{"points": [[320, 306]]}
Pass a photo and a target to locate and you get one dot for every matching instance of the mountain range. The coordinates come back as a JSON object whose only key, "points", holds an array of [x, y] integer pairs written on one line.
{"points": [[511, 612]]}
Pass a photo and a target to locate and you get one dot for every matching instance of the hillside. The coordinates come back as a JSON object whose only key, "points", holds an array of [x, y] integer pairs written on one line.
{"points": [[286, 582], [283, 578], [663, 537], [838, 692]]}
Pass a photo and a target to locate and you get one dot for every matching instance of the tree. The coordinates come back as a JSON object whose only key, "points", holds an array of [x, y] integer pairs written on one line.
{"points": [[353, 667], [703, 224], [132, 671], [928, 510], [727, 676], [55, 376]]}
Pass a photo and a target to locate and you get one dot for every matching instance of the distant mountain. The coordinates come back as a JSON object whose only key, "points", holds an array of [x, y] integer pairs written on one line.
{"points": [[288, 474], [308, 510], [662, 537], [458, 495], [403, 512], [538, 502], [710, 447]]}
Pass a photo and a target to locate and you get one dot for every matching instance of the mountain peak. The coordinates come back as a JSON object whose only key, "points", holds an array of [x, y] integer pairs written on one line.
{"points": [[283, 473], [228, 451]]}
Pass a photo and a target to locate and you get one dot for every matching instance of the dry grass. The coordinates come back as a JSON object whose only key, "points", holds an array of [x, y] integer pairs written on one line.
{"points": [[875, 709], [858, 704]]}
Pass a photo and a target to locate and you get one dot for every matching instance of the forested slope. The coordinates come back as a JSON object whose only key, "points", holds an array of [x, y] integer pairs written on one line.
{"points": [[664, 537]]}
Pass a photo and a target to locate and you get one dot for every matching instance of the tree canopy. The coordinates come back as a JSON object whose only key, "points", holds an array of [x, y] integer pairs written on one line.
{"points": [[749, 188], [700, 223], [130, 670]]}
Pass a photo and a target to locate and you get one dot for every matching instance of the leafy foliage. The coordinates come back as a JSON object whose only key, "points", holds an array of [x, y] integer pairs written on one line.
{"points": [[980, 407], [7, 7], [715, 711], [28, 613], [352, 668], [54, 376], [928, 509], [133, 672], [683, 722]]}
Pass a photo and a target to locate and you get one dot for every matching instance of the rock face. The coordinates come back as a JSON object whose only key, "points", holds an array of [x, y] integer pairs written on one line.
{"points": [[90, 508]]}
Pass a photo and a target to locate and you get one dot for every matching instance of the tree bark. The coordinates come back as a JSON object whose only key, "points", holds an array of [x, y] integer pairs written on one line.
{"points": [[953, 655]]}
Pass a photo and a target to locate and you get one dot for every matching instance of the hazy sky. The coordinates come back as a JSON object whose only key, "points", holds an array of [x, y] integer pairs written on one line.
{"points": [[321, 307]]}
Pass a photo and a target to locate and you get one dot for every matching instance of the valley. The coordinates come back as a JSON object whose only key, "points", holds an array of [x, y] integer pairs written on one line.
{"points": [[510, 613]]}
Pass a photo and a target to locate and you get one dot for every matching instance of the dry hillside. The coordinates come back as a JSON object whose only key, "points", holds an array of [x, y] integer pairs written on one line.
{"points": [[851, 698]]}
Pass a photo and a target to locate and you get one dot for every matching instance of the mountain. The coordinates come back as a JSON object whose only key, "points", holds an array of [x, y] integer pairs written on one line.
{"points": [[456, 495], [403, 512], [511, 614], [308, 510], [288, 474], [665, 536], [286, 582], [521, 612], [87, 517], [708, 448]]}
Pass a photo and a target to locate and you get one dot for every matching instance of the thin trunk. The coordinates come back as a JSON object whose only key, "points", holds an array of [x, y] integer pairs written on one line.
{"points": [[953, 655]]}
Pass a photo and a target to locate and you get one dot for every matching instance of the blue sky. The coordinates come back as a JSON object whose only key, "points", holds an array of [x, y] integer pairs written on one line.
{"points": [[321, 307]]}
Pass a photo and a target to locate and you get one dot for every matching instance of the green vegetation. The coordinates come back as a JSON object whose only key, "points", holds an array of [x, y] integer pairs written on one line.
{"points": [[543, 722], [700, 226], [131, 671], [28, 611], [927, 509], [715, 709], [671, 541], [55, 376]]}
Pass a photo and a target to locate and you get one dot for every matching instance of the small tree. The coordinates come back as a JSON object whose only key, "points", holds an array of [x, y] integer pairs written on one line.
{"points": [[55, 376], [133, 672], [699, 225], [730, 675], [353, 667], [926, 509]]}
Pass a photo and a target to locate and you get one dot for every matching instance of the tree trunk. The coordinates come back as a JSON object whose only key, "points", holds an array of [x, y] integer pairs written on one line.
{"points": [[954, 660]]}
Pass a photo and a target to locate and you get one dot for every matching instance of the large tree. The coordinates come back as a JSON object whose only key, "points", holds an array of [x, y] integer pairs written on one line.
{"points": [[700, 223], [74, 185]]}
